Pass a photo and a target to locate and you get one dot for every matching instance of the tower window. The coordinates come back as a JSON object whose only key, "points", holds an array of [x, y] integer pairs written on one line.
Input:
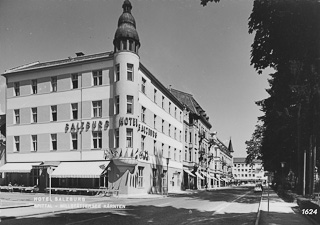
{"points": [[131, 47], [129, 138], [117, 75], [129, 104], [117, 105], [129, 71]]}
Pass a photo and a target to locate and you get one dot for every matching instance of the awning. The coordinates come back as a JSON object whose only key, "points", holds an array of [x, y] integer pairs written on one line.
{"points": [[204, 174], [188, 172], [198, 175], [212, 177], [80, 169], [17, 167], [226, 180]]}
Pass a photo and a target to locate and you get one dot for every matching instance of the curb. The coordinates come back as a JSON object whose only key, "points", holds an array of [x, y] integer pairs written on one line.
{"points": [[259, 211], [16, 206]]}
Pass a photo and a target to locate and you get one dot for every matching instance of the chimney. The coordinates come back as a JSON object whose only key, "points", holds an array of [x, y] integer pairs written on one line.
{"points": [[79, 54]]}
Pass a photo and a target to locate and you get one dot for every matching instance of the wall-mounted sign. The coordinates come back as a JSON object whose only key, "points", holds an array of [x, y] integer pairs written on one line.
{"points": [[80, 126], [129, 121]]}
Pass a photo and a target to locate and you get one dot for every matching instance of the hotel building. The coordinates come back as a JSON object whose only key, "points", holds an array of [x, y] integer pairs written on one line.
{"points": [[94, 121]]}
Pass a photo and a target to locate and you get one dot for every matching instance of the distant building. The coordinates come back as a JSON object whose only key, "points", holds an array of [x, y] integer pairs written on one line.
{"points": [[244, 173], [2, 144]]}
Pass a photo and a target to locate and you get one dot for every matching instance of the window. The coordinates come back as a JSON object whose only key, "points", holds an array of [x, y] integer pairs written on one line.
{"points": [[131, 46], [74, 108], [175, 154], [74, 78], [142, 142], [180, 156], [74, 141], [195, 138], [169, 152], [175, 133], [117, 75], [17, 143], [180, 136], [129, 72], [53, 113], [97, 139], [116, 138], [129, 104], [34, 143], [140, 176], [97, 109], [143, 114], [155, 95], [34, 115], [53, 141], [162, 102], [16, 88], [169, 107], [155, 147], [143, 86], [155, 177], [162, 126], [53, 84], [185, 155], [17, 116], [175, 112], [190, 155], [97, 77], [185, 136], [116, 105], [180, 116], [129, 138], [34, 85], [154, 121], [169, 130]]}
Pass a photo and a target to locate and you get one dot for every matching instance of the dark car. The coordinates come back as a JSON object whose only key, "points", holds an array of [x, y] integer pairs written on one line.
{"points": [[258, 188]]}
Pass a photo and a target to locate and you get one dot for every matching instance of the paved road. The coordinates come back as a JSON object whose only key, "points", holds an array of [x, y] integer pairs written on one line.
{"points": [[226, 206]]}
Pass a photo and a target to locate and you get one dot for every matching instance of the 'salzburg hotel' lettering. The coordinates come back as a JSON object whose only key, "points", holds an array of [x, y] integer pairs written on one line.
{"points": [[80, 126], [128, 121]]}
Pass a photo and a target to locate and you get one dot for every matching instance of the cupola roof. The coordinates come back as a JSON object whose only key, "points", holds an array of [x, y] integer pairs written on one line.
{"points": [[126, 24]]}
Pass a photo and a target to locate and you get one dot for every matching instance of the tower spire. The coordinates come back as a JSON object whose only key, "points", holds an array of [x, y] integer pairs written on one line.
{"points": [[126, 37]]}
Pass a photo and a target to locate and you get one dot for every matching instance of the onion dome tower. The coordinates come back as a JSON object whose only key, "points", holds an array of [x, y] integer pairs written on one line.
{"points": [[126, 37]]}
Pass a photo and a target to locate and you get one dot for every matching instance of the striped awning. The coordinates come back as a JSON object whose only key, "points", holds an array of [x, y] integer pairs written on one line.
{"points": [[188, 172], [17, 167], [198, 175], [80, 169]]}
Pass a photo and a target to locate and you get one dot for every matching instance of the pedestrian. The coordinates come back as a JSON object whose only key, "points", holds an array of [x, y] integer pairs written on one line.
{"points": [[10, 187]]}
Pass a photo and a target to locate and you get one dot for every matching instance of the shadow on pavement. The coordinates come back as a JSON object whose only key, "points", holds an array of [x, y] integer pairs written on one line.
{"points": [[138, 215]]}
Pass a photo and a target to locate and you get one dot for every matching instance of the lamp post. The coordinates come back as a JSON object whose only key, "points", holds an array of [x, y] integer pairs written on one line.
{"points": [[282, 166], [167, 175]]}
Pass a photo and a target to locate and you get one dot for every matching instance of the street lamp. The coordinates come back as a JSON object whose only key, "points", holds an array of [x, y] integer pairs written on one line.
{"points": [[282, 166], [167, 175]]}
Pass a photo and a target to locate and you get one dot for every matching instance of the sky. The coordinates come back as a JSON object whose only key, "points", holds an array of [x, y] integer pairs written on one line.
{"points": [[204, 51]]}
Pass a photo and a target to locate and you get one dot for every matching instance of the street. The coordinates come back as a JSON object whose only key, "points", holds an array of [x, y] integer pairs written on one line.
{"points": [[224, 206]]}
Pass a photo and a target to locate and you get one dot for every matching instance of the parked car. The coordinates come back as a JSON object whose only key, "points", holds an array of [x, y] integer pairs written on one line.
{"points": [[258, 188]]}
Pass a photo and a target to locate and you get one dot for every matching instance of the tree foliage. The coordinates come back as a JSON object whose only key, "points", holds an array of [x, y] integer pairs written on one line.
{"points": [[254, 145]]}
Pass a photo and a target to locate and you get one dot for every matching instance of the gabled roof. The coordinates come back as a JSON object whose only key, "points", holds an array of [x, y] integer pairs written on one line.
{"points": [[191, 104], [61, 62]]}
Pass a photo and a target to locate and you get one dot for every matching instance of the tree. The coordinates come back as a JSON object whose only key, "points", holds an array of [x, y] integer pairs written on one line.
{"points": [[254, 145]]}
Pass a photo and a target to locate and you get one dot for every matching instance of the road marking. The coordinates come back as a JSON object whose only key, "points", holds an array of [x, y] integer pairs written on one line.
{"points": [[226, 205], [81, 221]]}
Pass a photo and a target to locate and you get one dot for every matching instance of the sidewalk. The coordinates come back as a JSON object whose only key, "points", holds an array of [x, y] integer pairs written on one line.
{"points": [[280, 212]]}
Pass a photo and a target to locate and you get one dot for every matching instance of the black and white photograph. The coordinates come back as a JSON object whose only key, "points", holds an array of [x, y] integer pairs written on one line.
{"points": [[159, 112]]}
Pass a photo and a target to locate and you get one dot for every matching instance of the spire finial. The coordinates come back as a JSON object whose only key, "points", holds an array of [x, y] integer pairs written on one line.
{"points": [[127, 6]]}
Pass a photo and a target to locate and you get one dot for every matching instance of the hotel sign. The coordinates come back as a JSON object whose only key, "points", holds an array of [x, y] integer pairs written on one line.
{"points": [[129, 121], [80, 126]]}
